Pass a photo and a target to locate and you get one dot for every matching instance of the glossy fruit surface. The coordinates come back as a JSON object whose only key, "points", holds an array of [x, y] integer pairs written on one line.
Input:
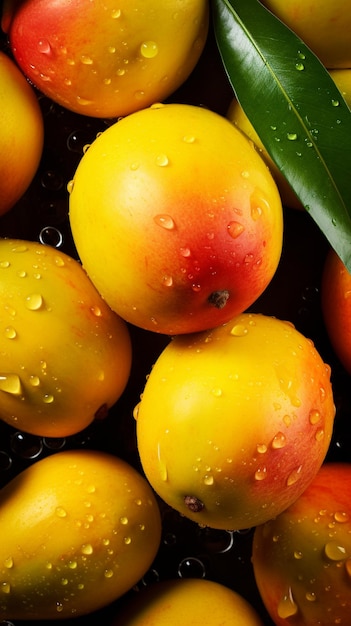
{"points": [[176, 219], [302, 558], [21, 134], [65, 356], [234, 423], [193, 602], [336, 307], [324, 26], [105, 59], [81, 528]]}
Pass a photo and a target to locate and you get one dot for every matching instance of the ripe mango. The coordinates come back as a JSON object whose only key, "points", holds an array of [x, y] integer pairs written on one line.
{"points": [[189, 601], [78, 528], [64, 354]]}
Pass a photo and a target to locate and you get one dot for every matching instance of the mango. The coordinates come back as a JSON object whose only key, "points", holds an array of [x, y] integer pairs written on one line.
{"points": [[189, 601], [65, 356], [79, 528]]}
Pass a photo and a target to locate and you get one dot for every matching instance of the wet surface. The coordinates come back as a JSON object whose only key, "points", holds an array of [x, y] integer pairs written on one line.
{"points": [[294, 294]]}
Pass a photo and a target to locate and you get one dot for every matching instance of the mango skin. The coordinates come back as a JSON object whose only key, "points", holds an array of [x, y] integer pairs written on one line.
{"points": [[170, 208], [324, 26], [302, 558], [79, 528], [107, 60], [21, 133], [64, 354], [234, 423], [189, 601]]}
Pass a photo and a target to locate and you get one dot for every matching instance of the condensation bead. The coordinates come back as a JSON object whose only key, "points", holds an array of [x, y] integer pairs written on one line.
{"points": [[26, 446]]}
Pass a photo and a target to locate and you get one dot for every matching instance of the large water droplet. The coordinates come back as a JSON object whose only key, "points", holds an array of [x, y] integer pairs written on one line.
{"points": [[162, 160], [239, 330], [10, 332], [278, 441], [287, 607], [335, 551], [9, 563], [294, 476], [235, 229], [44, 46], [86, 60], [87, 549], [165, 221], [34, 302], [149, 49], [11, 383], [261, 473]]}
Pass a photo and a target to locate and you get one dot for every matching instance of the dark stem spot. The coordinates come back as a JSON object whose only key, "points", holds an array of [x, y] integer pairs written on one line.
{"points": [[194, 504], [219, 299]]}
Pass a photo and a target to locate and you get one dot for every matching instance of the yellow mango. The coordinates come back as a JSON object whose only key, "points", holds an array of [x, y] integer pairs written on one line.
{"points": [[64, 356], [78, 529]]}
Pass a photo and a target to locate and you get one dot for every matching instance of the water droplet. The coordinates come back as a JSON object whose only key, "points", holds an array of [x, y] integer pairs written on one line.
{"points": [[51, 236], [301, 55], [294, 476], [44, 46], [162, 160], [149, 49], [189, 139], [167, 281], [287, 607], [261, 473], [239, 330], [319, 435], [185, 252], [134, 166], [291, 136], [341, 517], [34, 302], [278, 441], [87, 549], [5, 587], [116, 14], [299, 66], [162, 466], [191, 567], [311, 596], [165, 221], [86, 60], [139, 95], [96, 310], [261, 448], [127, 540], [314, 416], [298, 555], [9, 563], [48, 398], [334, 551], [64, 581], [235, 229], [208, 479], [108, 573], [124, 520], [217, 392], [4, 264], [11, 383], [70, 186], [335, 103], [59, 607], [10, 332], [60, 512]]}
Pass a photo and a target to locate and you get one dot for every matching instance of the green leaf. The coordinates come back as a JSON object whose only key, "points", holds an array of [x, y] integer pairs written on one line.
{"points": [[296, 109]]}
